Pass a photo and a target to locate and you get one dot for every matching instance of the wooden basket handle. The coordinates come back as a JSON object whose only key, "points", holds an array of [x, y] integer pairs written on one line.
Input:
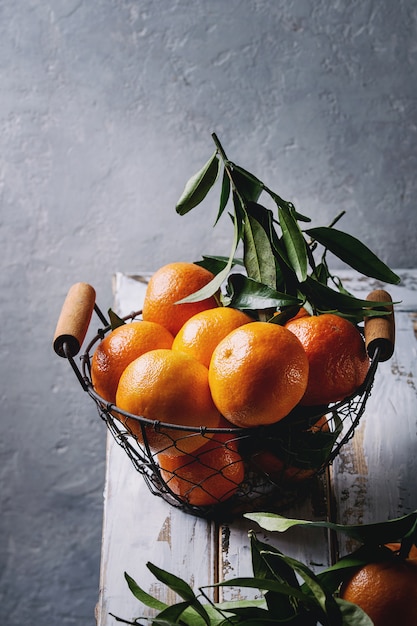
{"points": [[380, 331], [74, 319]]}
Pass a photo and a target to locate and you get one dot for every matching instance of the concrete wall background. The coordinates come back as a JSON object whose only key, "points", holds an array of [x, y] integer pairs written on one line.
{"points": [[106, 109]]}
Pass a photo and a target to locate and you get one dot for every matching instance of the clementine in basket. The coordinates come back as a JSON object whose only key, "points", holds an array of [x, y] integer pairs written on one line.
{"points": [[172, 283], [257, 374], [385, 590], [119, 348], [270, 464], [337, 357], [211, 475], [271, 460], [202, 332], [169, 387]]}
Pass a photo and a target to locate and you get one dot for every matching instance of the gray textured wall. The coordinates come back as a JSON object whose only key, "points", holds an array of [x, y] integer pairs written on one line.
{"points": [[106, 108]]}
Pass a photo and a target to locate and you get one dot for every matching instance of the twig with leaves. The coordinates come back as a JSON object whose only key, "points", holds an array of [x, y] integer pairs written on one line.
{"points": [[278, 255]]}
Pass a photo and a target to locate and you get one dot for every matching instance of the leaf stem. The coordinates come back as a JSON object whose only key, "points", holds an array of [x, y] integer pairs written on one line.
{"points": [[123, 621], [228, 170], [337, 218], [219, 147], [313, 243]]}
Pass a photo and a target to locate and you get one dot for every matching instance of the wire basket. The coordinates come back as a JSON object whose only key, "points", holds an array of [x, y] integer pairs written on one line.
{"points": [[266, 468]]}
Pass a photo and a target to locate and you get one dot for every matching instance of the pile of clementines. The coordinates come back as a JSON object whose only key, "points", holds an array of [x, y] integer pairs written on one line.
{"points": [[201, 365]]}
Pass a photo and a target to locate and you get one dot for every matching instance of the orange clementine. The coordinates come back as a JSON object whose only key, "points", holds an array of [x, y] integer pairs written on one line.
{"points": [[121, 346], [257, 374], [172, 283], [213, 474], [394, 547], [301, 313], [271, 460], [169, 387], [202, 332], [385, 590], [338, 362], [267, 462]]}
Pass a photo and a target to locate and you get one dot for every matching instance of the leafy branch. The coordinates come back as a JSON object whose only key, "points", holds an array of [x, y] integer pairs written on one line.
{"points": [[278, 253], [291, 592]]}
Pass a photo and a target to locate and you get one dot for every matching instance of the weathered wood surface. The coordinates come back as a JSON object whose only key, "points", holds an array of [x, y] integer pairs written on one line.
{"points": [[372, 479]]}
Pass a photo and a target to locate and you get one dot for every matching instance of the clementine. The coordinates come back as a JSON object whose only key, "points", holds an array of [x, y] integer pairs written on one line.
{"points": [[257, 374], [395, 547], [172, 388], [336, 353], [202, 332], [385, 590], [172, 283], [121, 346], [209, 476], [285, 462]]}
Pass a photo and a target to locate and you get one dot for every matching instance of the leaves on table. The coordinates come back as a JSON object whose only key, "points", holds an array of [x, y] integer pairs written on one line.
{"points": [[376, 534], [291, 592], [143, 596]]}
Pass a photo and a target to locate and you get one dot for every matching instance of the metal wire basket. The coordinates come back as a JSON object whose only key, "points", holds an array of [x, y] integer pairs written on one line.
{"points": [[277, 459]]}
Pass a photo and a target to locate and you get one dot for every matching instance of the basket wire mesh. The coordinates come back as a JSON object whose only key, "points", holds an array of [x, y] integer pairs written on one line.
{"points": [[277, 459]]}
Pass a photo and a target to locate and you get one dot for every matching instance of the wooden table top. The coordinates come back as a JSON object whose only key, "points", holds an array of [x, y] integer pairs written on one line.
{"points": [[372, 479]]}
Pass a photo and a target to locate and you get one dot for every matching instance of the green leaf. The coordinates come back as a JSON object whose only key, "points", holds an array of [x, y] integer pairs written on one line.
{"points": [[325, 298], [352, 614], [172, 613], [265, 566], [248, 294], [301, 218], [143, 596], [216, 264], [266, 219], [115, 320], [224, 196], [377, 534], [321, 597], [258, 256], [264, 584], [354, 253], [409, 539], [233, 605], [214, 285], [181, 587], [321, 273], [283, 204], [248, 185], [261, 553], [185, 613], [253, 617], [300, 446], [294, 243], [285, 315], [198, 186]]}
